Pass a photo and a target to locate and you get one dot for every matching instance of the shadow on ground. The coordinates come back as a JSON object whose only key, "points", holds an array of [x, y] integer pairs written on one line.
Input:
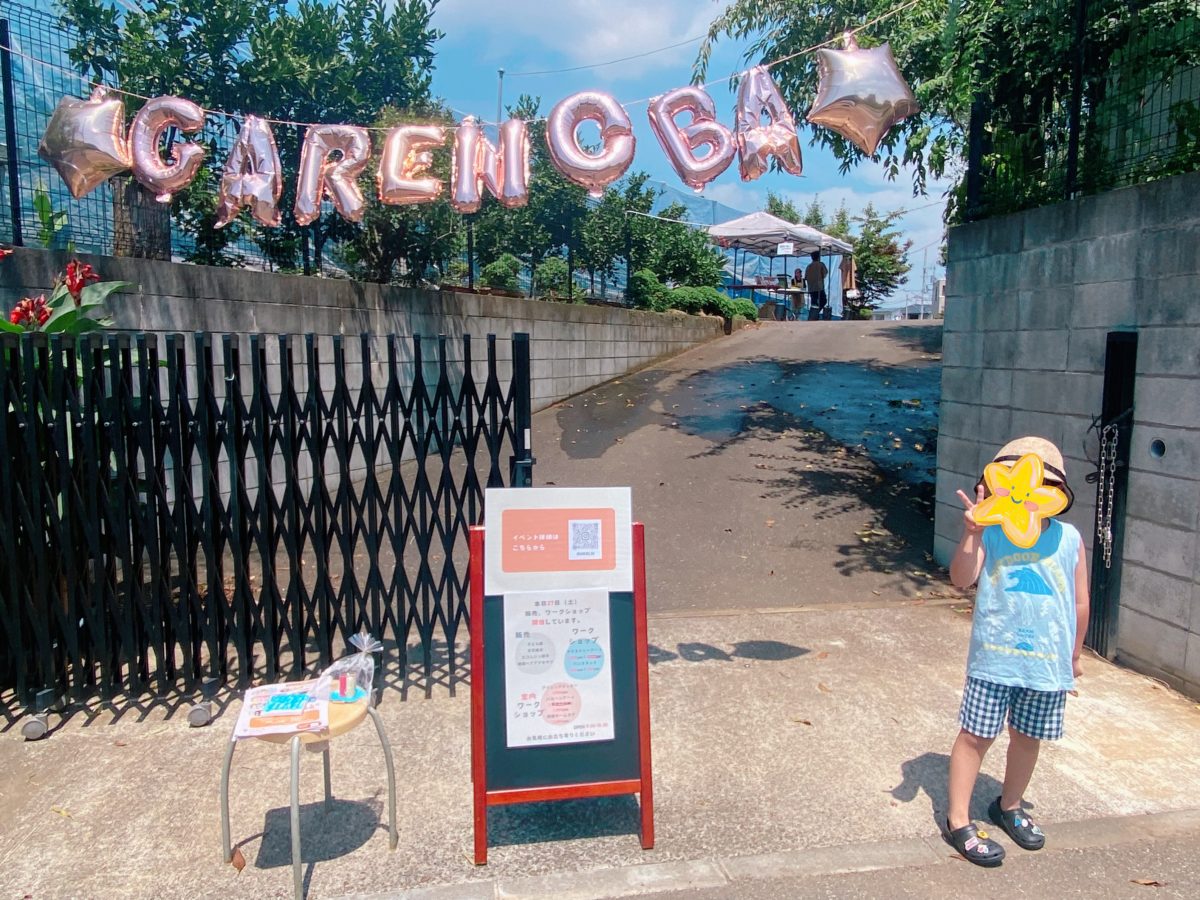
{"points": [[928, 774], [919, 338], [562, 820]]}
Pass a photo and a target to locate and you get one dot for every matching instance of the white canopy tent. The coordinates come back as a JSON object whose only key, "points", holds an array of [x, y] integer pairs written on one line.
{"points": [[761, 233]]}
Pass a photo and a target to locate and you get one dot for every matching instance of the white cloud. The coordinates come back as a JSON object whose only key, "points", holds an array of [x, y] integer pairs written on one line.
{"points": [[581, 32]]}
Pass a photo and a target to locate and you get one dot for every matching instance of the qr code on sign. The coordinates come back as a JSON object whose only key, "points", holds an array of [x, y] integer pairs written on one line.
{"points": [[584, 540]]}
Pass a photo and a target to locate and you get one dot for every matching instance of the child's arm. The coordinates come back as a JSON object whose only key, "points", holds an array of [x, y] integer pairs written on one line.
{"points": [[968, 556], [1083, 600]]}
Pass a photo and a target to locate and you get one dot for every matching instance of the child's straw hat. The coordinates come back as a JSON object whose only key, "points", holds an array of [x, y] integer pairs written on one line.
{"points": [[1051, 457]]}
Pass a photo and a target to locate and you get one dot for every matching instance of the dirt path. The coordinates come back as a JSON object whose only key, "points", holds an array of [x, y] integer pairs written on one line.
{"points": [[787, 465]]}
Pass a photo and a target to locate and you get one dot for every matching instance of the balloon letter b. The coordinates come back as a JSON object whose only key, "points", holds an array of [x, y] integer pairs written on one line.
{"points": [[406, 157], [757, 143], [145, 134], [680, 142], [592, 171]]}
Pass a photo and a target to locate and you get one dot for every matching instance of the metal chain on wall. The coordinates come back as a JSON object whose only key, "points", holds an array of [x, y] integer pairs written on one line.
{"points": [[1107, 473]]}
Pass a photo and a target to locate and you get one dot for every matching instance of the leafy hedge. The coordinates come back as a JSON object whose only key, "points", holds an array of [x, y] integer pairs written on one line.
{"points": [[650, 293], [502, 273]]}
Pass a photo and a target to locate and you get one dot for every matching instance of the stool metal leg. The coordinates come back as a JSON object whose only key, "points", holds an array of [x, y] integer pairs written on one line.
{"points": [[393, 836], [225, 845], [297, 870], [328, 779]]}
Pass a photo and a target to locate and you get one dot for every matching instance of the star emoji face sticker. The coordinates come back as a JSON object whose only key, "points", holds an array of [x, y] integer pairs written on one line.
{"points": [[1019, 500], [85, 141]]}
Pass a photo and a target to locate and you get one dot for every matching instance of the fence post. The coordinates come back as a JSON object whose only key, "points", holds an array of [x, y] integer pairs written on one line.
{"points": [[471, 254], [1073, 121], [628, 260], [10, 134], [520, 473], [975, 157]]}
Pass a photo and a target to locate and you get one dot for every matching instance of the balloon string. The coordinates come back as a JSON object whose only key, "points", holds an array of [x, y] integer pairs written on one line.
{"points": [[234, 117]]}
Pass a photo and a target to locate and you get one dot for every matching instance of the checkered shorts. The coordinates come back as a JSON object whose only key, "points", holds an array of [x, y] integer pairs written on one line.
{"points": [[986, 706]]}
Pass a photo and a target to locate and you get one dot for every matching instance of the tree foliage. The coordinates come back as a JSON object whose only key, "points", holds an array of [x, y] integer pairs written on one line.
{"points": [[1016, 58], [881, 257], [302, 61]]}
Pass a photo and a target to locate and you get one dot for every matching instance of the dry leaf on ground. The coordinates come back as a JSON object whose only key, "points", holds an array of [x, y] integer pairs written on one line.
{"points": [[1148, 882], [824, 688], [238, 861]]}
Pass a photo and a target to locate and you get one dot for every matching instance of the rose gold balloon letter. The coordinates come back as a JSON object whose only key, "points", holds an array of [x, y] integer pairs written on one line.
{"points": [[593, 171], [251, 177], [403, 169], [321, 176], [146, 133], [757, 143], [477, 164], [680, 142]]}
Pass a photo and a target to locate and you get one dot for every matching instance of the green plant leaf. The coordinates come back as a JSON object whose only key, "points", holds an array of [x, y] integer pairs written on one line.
{"points": [[96, 294], [8, 326]]}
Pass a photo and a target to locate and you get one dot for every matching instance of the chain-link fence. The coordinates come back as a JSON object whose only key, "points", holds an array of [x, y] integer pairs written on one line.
{"points": [[1115, 102]]}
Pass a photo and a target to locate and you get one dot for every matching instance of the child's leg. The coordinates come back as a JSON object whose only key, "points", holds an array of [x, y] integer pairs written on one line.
{"points": [[1022, 757], [965, 760]]}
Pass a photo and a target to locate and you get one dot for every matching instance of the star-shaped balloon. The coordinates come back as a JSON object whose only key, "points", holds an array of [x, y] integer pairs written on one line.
{"points": [[1019, 499], [861, 94], [85, 141]]}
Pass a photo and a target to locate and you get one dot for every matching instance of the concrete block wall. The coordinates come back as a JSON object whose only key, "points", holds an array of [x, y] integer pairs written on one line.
{"points": [[574, 347], [1030, 301]]}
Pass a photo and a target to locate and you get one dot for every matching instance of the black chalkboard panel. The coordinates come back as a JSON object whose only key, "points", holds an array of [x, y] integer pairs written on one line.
{"points": [[563, 764]]}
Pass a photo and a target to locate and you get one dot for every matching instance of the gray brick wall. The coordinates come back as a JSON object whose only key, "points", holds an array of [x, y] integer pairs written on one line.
{"points": [[1030, 301], [574, 347]]}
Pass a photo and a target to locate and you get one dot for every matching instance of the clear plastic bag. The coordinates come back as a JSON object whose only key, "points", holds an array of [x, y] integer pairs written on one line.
{"points": [[352, 678]]}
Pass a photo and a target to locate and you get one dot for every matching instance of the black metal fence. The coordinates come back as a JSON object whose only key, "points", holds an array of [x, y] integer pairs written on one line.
{"points": [[232, 510], [1115, 101]]}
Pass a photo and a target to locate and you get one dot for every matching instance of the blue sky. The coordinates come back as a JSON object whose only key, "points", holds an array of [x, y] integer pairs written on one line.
{"points": [[533, 35]]}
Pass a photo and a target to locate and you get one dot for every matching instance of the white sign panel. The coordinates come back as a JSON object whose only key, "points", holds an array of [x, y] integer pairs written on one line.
{"points": [[787, 248], [540, 539], [557, 668]]}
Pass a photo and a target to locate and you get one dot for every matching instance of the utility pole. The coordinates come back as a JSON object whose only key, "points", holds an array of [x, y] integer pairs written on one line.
{"points": [[499, 103]]}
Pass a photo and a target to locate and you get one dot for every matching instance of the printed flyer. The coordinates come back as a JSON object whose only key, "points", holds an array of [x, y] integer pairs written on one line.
{"points": [[557, 667], [281, 709]]}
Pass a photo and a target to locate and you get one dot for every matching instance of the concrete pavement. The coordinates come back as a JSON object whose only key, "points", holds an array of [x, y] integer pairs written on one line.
{"points": [[785, 465], [773, 733]]}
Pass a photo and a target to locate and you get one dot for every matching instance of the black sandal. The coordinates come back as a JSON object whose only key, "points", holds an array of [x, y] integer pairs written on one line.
{"points": [[974, 845], [1018, 826]]}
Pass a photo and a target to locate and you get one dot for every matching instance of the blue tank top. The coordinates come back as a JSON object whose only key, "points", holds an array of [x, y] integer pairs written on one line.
{"points": [[1023, 634]]}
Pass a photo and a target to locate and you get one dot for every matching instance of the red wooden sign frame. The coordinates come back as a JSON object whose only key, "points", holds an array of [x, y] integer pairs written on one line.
{"points": [[642, 786]]}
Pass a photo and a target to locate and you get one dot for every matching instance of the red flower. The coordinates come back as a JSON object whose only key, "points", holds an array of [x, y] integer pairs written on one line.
{"points": [[30, 313], [78, 276], [5, 252]]}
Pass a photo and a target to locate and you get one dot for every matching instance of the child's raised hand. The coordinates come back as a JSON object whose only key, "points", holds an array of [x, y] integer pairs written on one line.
{"points": [[969, 523]]}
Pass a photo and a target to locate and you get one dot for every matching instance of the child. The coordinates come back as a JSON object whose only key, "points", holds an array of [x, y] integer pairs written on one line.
{"points": [[1031, 612]]}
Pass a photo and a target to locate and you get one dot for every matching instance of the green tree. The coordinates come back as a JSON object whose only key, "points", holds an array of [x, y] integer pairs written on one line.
{"points": [[302, 61], [781, 207], [552, 221], [618, 217], [881, 257], [681, 253], [1014, 57]]}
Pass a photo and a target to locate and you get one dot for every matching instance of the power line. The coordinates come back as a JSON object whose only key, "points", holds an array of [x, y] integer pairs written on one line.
{"points": [[611, 62]]}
